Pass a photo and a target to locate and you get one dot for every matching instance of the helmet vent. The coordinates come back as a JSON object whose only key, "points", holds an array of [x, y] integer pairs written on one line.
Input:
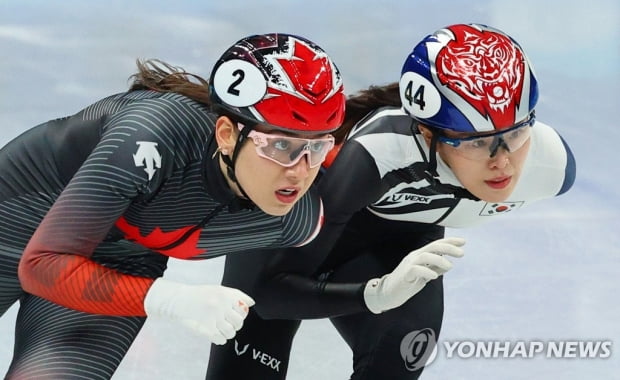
{"points": [[297, 116], [332, 116]]}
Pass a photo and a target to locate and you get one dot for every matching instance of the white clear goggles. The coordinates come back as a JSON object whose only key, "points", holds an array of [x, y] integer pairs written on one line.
{"points": [[288, 151], [483, 147]]}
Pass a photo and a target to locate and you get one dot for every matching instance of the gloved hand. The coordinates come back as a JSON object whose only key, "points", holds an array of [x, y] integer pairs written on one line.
{"points": [[411, 275], [215, 311]]}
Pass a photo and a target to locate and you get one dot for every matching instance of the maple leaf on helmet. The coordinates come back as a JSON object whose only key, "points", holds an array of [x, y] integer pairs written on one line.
{"points": [[281, 80]]}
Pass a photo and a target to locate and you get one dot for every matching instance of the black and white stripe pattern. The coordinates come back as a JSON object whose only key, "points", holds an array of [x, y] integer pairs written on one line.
{"points": [[53, 342], [74, 177]]}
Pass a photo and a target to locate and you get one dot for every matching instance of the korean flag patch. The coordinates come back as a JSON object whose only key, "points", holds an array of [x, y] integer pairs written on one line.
{"points": [[496, 208]]}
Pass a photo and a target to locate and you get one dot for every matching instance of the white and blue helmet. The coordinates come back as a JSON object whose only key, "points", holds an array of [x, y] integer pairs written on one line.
{"points": [[468, 78]]}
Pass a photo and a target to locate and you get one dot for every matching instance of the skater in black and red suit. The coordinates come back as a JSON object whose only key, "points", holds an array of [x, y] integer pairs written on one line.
{"points": [[93, 205]]}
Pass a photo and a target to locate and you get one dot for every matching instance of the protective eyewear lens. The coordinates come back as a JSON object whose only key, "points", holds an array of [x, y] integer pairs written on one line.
{"points": [[483, 147], [288, 151]]}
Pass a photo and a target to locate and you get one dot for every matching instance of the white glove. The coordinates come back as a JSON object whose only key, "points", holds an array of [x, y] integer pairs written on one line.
{"points": [[411, 275], [215, 311]]}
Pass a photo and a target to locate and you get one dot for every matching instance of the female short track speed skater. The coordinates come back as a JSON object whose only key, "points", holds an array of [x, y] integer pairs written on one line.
{"points": [[94, 204], [455, 143]]}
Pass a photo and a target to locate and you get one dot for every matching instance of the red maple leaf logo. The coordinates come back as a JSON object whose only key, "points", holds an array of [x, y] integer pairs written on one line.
{"points": [[309, 70], [304, 88], [158, 238]]}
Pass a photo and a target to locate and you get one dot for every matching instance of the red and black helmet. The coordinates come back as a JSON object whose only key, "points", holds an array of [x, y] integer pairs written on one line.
{"points": [[279, 80]]}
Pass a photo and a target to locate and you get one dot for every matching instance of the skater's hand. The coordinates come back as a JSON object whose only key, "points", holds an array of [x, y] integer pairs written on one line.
{"points": [[215, 311], [411, 275]]}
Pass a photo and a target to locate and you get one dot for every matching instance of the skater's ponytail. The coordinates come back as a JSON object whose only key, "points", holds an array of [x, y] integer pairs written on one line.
{"points": [[364, 102], [160, 76]]}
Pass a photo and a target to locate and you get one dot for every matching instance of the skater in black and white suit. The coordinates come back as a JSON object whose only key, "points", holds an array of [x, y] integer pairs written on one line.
{"points": [[455, 143]]}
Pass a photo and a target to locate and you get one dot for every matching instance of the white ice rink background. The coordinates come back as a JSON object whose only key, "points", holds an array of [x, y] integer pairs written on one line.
{"points": [[548, 273]]}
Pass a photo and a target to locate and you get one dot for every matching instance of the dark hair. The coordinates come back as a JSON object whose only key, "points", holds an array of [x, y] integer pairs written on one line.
{"points": [[157, 75], [364, 102]]}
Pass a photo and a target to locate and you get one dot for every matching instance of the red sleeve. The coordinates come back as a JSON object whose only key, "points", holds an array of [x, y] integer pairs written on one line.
{"points": [[81, 284], [56, 263]]}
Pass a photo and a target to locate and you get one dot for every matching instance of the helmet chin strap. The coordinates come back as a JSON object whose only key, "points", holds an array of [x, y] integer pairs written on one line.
{"points": [[432, 174], [230, 163], [431, 169]]}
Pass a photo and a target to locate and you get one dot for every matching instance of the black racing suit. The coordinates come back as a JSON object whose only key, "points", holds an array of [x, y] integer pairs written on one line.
{"points": [[94, 204]]}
